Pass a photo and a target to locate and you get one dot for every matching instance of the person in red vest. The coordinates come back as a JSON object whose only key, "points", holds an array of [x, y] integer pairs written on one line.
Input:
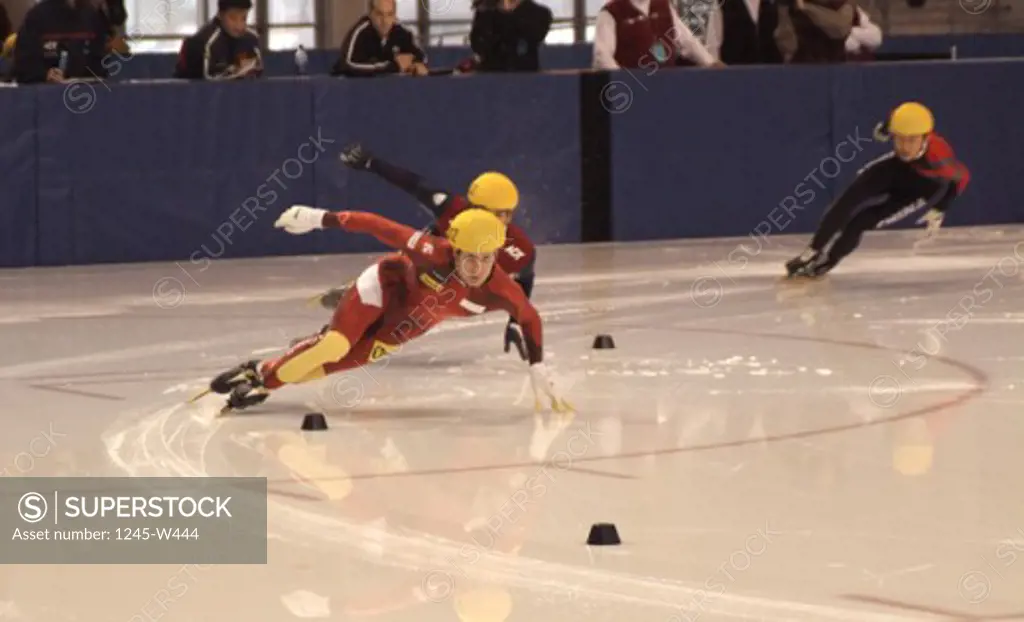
{"points": [[645, 34]]}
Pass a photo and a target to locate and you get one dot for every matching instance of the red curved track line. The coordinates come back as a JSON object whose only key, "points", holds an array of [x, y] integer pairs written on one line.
{"points": [[980, 378]]}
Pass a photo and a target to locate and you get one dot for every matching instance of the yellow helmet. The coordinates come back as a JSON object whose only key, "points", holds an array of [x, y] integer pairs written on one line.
{"points": [[476, 231], [9, 45], [495, 192], [911, 119]]}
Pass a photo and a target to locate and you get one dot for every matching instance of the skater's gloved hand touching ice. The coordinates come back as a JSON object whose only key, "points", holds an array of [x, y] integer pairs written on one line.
{"points": [[514, 337], [299, 219], [932, 220], [544, 391]]}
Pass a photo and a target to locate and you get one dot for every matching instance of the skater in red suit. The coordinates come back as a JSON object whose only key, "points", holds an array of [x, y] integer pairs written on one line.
{"points": [[920, 172], [398, 299], [491, 191]]}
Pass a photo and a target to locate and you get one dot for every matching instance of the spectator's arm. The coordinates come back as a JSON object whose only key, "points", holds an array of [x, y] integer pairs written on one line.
{"points": [[689, 45], [785, 35], [866, 36], [836, 23], [713, 40], [604, 41], [29, 63], [533, 21], [407, 45]]}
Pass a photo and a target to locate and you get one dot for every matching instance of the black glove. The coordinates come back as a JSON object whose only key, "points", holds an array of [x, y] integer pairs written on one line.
{"points": [[355, 157], [514, 336]]}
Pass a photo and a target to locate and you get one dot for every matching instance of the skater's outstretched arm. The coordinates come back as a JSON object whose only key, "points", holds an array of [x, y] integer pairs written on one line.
{"points": [[391, 233], [431, 198], [513, 300]]}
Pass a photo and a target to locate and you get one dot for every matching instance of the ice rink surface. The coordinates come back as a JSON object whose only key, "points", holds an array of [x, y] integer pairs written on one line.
{"points": [[843, 451]]}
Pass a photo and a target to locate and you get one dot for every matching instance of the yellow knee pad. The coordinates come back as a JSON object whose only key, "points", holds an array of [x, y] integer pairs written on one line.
{"points": [[308, 364]]}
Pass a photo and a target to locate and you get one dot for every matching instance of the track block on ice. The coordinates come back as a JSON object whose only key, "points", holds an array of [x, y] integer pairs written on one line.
{"points": [[604, 342], [314, 422], [603, 534]]}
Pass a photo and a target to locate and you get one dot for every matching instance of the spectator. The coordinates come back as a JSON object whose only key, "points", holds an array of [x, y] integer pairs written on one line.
{"points": [[864, 39], [507, 34], [224, 49], [748, 32], [704, 19], [646, 34], [814, 31], [378, 45], [60, 40]]}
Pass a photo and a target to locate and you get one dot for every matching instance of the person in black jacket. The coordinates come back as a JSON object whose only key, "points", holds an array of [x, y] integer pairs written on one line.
{"points": [[378, 45], [60, 40], [507, 34], [224, 49]]}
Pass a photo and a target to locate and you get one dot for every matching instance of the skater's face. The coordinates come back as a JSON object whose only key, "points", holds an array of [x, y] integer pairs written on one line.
{"points": [[474, 268], [908, 147]]}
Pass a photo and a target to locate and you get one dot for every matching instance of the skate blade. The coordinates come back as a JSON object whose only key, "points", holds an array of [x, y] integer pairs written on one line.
{"points": [[315, 301], [200, 395], [800, 279]]}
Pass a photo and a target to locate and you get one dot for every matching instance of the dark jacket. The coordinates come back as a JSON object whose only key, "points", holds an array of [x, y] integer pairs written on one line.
{"points": [[365, 53], [744, 41], [5, 23], [213, 54], [53, 31], [113, 15], [510, 40]]}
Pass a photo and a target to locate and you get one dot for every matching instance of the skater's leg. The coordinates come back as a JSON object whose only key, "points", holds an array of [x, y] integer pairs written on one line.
{"points": [[872, 218], [305, 361], [870, 187], [848, 240], [362, 306]]}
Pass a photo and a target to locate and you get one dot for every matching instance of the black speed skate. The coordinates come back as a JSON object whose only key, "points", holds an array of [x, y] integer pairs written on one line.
{"points": [[329, 300], [242, 384], [806, 266]]}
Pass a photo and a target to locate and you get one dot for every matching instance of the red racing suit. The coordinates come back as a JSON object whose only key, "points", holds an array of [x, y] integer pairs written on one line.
{"points": [[403, 296]]}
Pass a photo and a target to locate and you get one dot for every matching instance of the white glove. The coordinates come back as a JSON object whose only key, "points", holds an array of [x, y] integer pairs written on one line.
{"points": [[544, 390], [299, 219], [932, 220]]}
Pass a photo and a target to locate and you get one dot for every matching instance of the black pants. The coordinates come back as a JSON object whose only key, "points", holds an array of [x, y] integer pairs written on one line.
{"points": [[885, 191]]}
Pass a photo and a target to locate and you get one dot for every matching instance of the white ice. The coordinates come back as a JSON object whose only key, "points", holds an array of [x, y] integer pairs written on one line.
{"points": [[842, 451]]}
